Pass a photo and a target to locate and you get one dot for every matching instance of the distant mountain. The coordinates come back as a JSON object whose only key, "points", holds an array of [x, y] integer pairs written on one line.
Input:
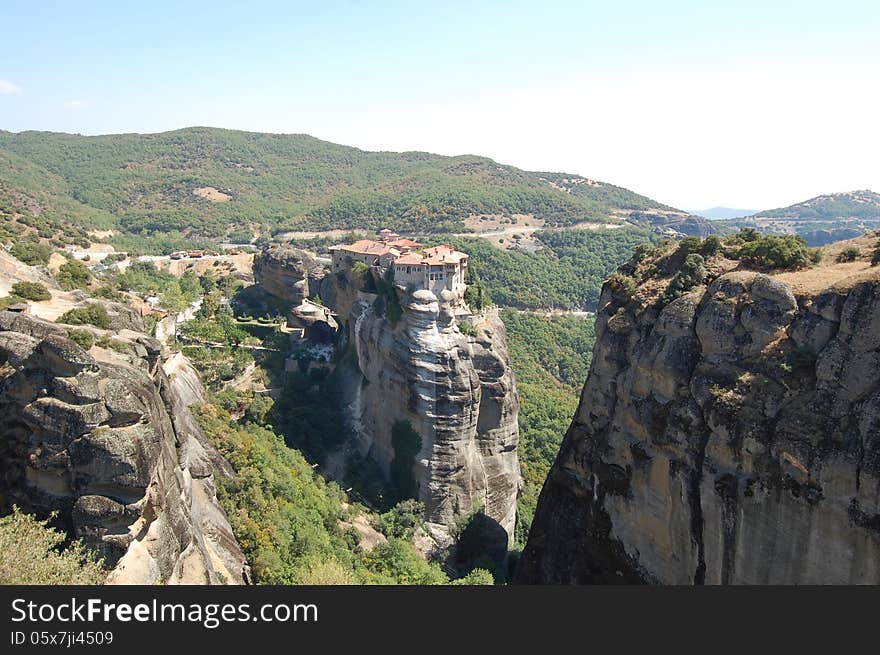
{"points": [[207, 182], [820, 220], [722, 213]]}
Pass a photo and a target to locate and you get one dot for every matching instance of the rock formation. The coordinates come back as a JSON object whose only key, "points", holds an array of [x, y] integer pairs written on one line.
{"points": [[455, 391], [422, 374], [106, 439], [729, 436], [288, 273]]}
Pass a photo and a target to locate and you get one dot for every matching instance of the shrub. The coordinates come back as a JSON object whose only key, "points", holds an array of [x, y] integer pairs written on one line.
{"points": [[401, 520], [875, 258], [688, 246], [849, 254], [31, 253], [31, 553], [623, 286], [787, 252], [692, 273], [476, 577], [31, 291], [73, 274], [83, 338], [711, 246], [467, 329], [92, 314]]}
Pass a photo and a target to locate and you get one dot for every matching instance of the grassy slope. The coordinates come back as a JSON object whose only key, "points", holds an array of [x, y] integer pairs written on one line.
{"points": [[284, 181]]}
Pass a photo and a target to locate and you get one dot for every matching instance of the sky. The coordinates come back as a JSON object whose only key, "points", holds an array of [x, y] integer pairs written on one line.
{"points": [[741, 104]]}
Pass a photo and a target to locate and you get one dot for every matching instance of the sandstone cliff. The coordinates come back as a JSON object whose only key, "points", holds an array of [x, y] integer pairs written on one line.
{"points": [[459, 395], [105, 437], [729, 436], [288, 273], [422, 373]]}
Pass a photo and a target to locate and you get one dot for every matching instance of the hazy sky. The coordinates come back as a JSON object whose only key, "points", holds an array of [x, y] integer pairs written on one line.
{"points": [[744, 104]]}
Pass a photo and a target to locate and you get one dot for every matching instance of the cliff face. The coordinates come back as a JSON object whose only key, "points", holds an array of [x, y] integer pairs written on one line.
{"points": [[287, 273], [107, 439], [458, 394], [729, 436]]}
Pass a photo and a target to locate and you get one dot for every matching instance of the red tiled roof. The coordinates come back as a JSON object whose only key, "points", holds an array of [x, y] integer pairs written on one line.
{"points": [[405, 243]]}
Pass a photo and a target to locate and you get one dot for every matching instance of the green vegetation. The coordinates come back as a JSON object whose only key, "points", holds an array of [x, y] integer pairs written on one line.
{"points": [[691, 274], [73, 274], [622, 285], [551, 359], [786, 252], [31, 291], [145, 185], [566, 274], [8, 301], [287, 518], [849, 254], [32, 553], [175, 294], [32, 253], [92, 314], [855, 204], [83, 338]]}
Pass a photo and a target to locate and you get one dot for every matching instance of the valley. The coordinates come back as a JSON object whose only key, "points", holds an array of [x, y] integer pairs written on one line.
{"points": [[340, 405]]}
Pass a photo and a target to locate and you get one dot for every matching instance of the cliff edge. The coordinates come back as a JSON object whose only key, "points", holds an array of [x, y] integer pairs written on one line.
{"points": [[729, 435], [105, 437]]}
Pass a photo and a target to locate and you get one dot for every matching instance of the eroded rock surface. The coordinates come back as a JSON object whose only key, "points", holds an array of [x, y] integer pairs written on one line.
{"points": [[287, 273], [107, 440], [730, 436]]}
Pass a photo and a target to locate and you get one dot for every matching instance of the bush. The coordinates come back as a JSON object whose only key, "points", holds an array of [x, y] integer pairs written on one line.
{"points": [[31, 291], [692, 273], [875, 258], [31, 253], [849, 254], [92, 314], [73, 274], [83, 338], [622, 286], [711, 246], [401, 520], [476, 577], [467, 329], [32, 553], [787, 252]]}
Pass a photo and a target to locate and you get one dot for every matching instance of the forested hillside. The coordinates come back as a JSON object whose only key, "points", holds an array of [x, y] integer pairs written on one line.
{"points": [[205, 180], [566, 273]]}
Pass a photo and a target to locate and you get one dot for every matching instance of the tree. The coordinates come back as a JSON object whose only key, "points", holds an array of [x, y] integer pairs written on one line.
{"points": [[92, 314], [73, 274], [31, 253], [190, 286], [31, 291], [32, 553]]}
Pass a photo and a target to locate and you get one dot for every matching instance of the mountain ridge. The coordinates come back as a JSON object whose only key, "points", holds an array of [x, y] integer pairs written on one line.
{"points": [[203, 180]]}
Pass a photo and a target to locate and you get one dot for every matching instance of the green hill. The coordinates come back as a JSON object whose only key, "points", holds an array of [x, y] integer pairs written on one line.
{"points": [[820, 220], [203, 181]]}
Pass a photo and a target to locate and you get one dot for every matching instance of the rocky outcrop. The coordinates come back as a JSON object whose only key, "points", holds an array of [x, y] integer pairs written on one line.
{"points": [[288, 273], [107, 440], [729, 436], [455, 391]]}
